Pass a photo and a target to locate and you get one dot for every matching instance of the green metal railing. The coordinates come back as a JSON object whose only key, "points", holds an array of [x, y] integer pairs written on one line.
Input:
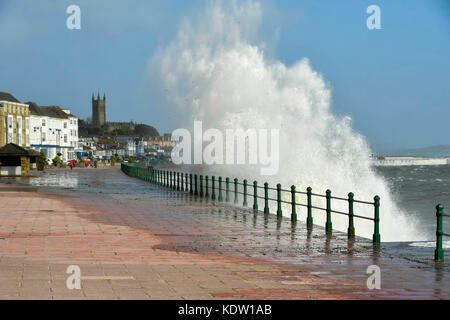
{"points": [[174, 180], [439, 252]]}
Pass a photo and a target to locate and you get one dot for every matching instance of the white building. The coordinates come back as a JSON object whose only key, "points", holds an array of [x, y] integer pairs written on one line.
{"points": [[53, 131], [128, 144], [409, 161]]}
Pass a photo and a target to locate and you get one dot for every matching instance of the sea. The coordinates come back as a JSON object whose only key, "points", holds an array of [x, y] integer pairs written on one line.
{"points": [[417, 190]]}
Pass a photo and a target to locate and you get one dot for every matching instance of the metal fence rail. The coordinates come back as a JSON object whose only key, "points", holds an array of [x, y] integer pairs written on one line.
{"points": [[212, 188], [439, 252]]}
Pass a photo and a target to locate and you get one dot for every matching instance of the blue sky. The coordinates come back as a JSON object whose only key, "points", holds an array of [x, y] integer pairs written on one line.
{"points": [[393, 82]]}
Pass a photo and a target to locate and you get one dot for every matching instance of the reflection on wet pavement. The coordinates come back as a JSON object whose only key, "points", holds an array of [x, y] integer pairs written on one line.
{"points": [[195, 224]]}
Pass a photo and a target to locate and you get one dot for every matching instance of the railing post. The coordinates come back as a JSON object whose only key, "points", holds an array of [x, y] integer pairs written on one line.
{"points": [[165, 178], [279, 212], [351, 228], [245, 193], [213, 188], [169, 179], [293, 211], [235, 191], [181, 181], [255, 195], [220, 189], [178, 181], [174, 180], [196, 185], [328, 224], [191, 191], [206, 187], [201, 186], [227, 187], [266, 197], [439, 252], [186, 176], [309, 219], [376, 233]]}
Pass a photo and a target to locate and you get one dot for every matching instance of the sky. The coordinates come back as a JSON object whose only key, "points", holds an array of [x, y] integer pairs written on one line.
{"points": [[393, 82]]}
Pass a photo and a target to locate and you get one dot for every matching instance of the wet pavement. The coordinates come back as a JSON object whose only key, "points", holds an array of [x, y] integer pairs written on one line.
{"points": [[292, 261]]}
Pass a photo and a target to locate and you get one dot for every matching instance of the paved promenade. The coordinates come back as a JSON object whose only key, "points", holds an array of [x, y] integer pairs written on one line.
{"points": [[133, 240]]}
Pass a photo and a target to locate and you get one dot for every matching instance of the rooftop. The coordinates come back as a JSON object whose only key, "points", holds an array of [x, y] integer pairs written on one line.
{"points": [[6, 96], [12, 149], [49, 111]]}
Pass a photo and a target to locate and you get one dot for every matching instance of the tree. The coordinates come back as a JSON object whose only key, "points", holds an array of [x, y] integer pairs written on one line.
{"points": [[56, 160], [41, 161]]}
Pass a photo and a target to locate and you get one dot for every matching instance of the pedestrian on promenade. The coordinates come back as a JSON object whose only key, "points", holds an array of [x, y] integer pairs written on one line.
{"points": [[71, 164], [95, 163]]}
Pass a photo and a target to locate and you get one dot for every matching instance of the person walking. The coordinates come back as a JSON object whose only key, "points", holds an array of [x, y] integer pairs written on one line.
{"points": [[71, 164]]}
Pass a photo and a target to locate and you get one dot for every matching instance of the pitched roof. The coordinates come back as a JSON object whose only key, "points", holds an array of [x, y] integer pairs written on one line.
{"points": [[6, 96], [50, 111], [12, 149]]}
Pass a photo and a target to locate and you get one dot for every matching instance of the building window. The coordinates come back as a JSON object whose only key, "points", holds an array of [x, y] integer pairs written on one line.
{"points": [[43, 136], [65, 138], [43, 122], [10, 129], [65, 125], [27, 131], [19, 130]]}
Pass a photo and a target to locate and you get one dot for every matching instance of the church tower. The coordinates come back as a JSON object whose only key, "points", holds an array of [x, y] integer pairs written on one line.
{"points": [[98, 110]]}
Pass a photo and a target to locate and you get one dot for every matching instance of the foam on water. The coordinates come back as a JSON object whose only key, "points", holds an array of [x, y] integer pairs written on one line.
{"points": [[216, 71]]}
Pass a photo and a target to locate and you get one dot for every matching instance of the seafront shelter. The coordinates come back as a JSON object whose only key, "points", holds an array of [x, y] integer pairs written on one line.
{"points": [[15, 160]]}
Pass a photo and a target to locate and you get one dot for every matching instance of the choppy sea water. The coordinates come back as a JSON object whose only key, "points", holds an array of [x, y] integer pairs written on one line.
{"points": [[417, 190]]}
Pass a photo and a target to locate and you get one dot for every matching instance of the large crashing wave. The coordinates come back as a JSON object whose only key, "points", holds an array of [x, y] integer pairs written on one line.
{"points": [[216, 72]]}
